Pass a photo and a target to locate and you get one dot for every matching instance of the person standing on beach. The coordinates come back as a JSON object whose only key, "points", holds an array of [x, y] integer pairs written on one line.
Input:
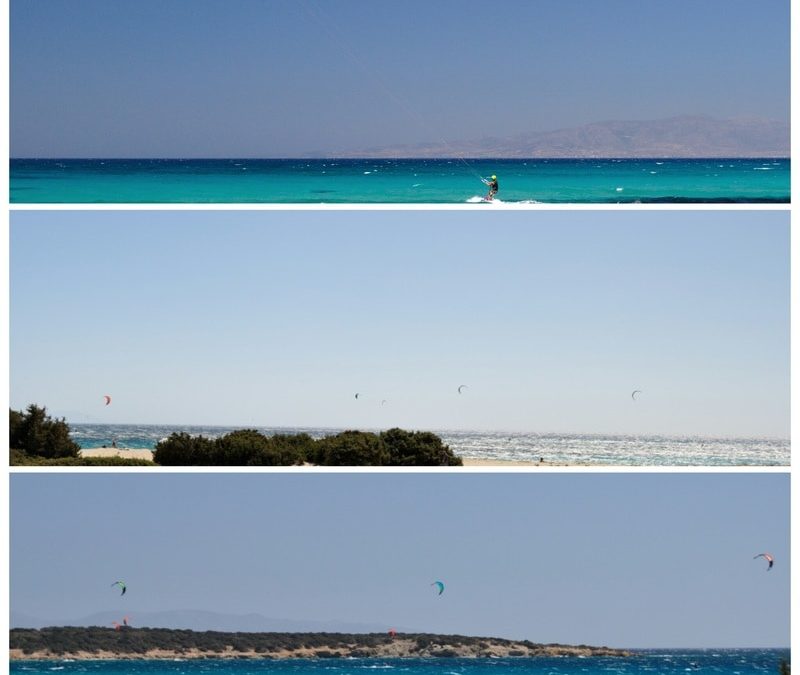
{"points": [[493, 188]]}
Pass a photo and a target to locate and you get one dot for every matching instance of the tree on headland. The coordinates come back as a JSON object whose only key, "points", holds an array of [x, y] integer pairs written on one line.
{"points": [[34, 433]]}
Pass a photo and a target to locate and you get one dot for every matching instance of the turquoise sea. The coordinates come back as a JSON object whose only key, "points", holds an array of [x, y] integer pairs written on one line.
{"points": [[600, 449], [645, 662], [398, 181]]}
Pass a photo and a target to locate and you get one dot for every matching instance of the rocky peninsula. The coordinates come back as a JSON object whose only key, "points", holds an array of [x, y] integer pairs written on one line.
{"points": [[95, 643]]}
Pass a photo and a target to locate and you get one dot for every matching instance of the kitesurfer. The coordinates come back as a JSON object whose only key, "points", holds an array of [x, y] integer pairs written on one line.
{"points": [[493, 188]]}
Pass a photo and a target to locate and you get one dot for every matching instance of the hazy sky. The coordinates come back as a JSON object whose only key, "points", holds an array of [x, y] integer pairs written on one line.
{"points": [[278, 318], [251, 78], [642, 560]]}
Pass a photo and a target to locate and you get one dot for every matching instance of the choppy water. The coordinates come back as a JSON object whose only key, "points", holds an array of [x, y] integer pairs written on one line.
{"points": [[558, 448], [398, 181], [647, 662]]}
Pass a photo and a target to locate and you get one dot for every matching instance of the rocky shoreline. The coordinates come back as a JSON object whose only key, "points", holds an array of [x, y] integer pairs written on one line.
{"points": [[107, 644]]}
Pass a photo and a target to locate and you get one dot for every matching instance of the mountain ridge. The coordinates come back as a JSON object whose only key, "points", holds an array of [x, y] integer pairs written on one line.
{"points": [[684, 136]]}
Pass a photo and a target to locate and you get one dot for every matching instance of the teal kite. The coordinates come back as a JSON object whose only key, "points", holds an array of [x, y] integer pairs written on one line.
{"points": [[439, 585]]}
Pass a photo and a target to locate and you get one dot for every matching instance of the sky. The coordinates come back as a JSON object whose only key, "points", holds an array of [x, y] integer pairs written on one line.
{"points": [[625, 560], [278, 318], [212, 78]]}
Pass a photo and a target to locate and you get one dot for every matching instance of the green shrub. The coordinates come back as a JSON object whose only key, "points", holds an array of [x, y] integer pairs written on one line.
{"points": [[181, 449], [351, 448], [245, 447], [36, 434], [249, 447], [292, 448], [240, 448], [417, 448]]}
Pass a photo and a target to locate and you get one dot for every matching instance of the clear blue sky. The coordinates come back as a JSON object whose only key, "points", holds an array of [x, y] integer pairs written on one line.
{"points": [[213, 78], [643, 560], [278, 318]]}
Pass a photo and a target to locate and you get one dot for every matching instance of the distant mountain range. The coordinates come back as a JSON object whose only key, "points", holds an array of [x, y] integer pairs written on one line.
{"points": [[201, 620], [686, 136]]}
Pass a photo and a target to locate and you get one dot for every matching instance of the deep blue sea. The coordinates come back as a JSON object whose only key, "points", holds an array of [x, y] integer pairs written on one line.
{"points": [[648, 662], [502, 445], [398, 181]]}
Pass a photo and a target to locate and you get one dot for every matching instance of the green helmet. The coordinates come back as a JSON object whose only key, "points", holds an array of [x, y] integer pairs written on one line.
{"points": [[494, 177]]}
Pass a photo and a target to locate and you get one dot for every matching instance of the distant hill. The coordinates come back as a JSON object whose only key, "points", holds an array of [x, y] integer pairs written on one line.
{"points": [[154, 643], [200, 620], [686, 136]]}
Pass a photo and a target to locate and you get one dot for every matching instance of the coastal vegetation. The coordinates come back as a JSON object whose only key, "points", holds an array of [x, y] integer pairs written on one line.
{"points": [[96, 642], [21, 459], [395, 447], [34, 433], [37, 440]]}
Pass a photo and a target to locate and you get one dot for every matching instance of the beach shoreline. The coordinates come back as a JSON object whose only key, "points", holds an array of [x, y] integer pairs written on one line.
{"points": [[95, 646], [125, 453], [133, 453]]}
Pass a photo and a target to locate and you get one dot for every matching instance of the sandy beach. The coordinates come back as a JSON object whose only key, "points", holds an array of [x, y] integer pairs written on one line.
{"points": [[126, 453], [501, 462], [130, 453]]}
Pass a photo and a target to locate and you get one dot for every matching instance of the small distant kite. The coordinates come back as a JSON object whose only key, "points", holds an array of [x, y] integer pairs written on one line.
{"points": [[356, 396], [121, 626], [766, 557], [439, 585], [392, 632], [107, 399], [383, 402], [635, 391], [462, 386], [122, 585]]}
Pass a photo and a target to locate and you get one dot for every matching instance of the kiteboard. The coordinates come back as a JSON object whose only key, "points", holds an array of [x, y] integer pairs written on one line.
{"points": [[482, 200]]}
